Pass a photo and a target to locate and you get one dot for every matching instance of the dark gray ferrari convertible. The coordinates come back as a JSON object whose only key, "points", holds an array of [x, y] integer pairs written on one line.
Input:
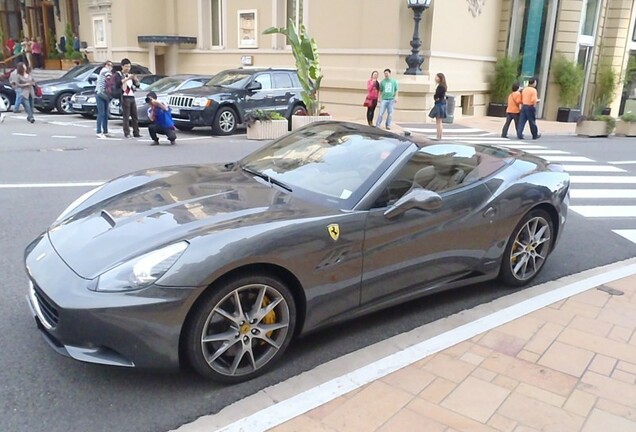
{"points": [[221, 266]]}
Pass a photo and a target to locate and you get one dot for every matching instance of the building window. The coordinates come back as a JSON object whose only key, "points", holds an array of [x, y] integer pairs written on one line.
{"points": [[248, 26], [295, 12], [217, 22], [588, 18]]}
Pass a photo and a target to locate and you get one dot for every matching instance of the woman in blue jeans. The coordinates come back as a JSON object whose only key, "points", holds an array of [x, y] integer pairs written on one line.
{"points": [[102, 99], [25, 87]]}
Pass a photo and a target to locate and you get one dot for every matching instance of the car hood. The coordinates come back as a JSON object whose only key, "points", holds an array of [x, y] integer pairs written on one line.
{"points": [[55, 82], [205, 91], [146, 210]]}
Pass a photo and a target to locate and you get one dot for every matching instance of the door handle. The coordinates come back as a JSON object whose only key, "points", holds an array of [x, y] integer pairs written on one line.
{"points": [[490, 212]]}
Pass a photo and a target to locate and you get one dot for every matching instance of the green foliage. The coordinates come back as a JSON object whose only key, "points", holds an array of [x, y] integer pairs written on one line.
{"points": [[305, 52], [629, 117], [610, 122], [262, 115], [52, 52], [569, 76], [630, 72], [69, 36], [606, 82], [506, 73]]}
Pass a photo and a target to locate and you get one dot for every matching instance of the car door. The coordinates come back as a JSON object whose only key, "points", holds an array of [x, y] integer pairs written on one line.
{"points": [[419, 249], [262, 99], [284, 91]]}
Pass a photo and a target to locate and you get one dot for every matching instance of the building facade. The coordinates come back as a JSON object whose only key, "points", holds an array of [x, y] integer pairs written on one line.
{"points": [[461, 38]]}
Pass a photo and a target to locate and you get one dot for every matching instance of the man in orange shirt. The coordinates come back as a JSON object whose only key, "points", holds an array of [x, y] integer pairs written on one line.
{"points": [[512, 111], [528, 110]]}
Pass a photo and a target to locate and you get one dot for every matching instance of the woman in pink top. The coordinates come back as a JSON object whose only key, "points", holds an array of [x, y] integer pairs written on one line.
{"points": [[36, 49], [373, 88]]}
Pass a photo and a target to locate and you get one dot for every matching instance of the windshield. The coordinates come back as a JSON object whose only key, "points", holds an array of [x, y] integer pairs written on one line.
{"points": [[79, 70], [230, 79], [165, 85], [334, 162]]}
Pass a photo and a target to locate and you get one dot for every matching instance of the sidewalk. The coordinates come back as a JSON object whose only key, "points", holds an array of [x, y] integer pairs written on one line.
{"points": [[570, 366]]}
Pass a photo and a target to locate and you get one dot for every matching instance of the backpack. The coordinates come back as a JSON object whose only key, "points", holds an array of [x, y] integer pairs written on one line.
{"points": [[113, 85]]}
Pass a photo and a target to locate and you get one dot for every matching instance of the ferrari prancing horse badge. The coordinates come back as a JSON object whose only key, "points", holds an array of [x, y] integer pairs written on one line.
{"points": [[334, 231]]}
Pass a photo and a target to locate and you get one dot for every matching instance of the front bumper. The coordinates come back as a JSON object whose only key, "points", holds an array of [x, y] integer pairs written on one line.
{"points": [[134, 329], [194, 117], [79, 108]]}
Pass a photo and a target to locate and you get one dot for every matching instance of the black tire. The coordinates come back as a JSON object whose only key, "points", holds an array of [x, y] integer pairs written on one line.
{"points": [[524, 258], [87, 116], [297, 109], [225, 121], [63, 103], [226, 358], [44, 109], [184, 128]]}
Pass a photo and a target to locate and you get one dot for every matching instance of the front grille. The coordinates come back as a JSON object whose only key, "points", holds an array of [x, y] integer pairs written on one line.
{"points": [[80, 99], [180, 101], [48, 311]]}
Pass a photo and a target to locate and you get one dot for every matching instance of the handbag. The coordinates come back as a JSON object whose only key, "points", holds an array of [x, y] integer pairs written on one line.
{"points": [[38, 90], [434, 112], [368, 102]]}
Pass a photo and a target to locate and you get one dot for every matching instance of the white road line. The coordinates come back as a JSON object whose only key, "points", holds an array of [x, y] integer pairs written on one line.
{"points": [[63, 136], [448, 131], [523, 147], [615, 179], [623, 162], [593, 168], [617, 211], [568, 158], [285, 410], [23, 134], [629, 234], [48, 185], [547, 152], [603, 193]]}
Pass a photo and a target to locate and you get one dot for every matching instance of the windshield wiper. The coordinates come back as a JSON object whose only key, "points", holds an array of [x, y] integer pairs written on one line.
{"points": [[265, 177]]}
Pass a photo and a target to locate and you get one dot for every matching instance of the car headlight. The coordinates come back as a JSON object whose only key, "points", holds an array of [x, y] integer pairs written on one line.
{"points": [[77, 203], [139, 272], [201, 102], [49, 90], [91, 100]]}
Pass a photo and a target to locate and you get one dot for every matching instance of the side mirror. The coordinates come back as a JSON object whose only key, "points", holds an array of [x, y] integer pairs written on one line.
{"points": [[255, 85], [92, 79], [417, 198]]}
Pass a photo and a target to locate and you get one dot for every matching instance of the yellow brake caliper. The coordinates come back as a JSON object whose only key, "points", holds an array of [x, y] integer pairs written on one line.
{"points": [[270, 318]]}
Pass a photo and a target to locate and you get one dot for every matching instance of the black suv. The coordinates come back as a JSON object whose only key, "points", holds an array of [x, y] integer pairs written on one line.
{"points": [[223, 102], [57, 93]]}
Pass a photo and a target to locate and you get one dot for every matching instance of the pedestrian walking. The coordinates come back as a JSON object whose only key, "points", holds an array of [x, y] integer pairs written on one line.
{"points": [[512, 110], [371, 101], [160, 116], [25, 85], [13, 80], [28, 49], [129, 83], [103, 90], [528, 110], [36, 50], [438, 112], [388, 98]]}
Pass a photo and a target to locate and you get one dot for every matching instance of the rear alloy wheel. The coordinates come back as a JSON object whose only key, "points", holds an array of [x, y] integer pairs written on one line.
{"points": [[63, 103], [527, 249], [225, 121], [241, 329], [6, 101]]}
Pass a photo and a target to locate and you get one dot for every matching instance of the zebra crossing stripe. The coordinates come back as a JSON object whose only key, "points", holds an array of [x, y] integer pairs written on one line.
{"points": [[615, 179], [629, 234], [605, 211], [603, 193], [541, 152], [553, 158], [592, 168]]}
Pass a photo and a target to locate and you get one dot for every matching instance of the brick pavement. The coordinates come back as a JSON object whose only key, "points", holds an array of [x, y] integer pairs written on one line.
{"points": [[570, 366]]}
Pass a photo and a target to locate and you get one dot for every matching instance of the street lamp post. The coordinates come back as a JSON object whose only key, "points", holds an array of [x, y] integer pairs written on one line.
{"points": [[415, 60]]}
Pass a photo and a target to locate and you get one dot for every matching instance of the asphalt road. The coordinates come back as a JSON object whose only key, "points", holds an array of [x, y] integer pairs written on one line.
{"points": [[42, 391]]}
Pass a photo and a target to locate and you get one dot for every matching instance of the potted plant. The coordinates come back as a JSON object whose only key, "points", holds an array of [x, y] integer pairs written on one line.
{"points": [[627, 125], [305, 52], [265, 125], [506, 72], [52, 60], [604, 91], [569, 76], [71, 57], [596, 125]]}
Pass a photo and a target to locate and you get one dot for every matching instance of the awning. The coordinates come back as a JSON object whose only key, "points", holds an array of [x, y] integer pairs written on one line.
{"points": [[167, 40]]}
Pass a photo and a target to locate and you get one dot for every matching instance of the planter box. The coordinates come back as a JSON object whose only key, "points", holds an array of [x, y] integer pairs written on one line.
{"points": [[300, 121], [625, 129], [592, 128], [67, 64], [52, 64], [496, 110], [267, 130], [568, 115]]}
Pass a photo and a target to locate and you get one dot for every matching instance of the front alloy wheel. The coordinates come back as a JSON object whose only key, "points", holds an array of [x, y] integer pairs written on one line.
{"points": [[225, 121], [528, 248], [64, 104], [241, 330]]}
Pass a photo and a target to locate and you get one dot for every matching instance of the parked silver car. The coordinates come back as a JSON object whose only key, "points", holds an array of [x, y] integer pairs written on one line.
{"points": [[161, 87]]}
